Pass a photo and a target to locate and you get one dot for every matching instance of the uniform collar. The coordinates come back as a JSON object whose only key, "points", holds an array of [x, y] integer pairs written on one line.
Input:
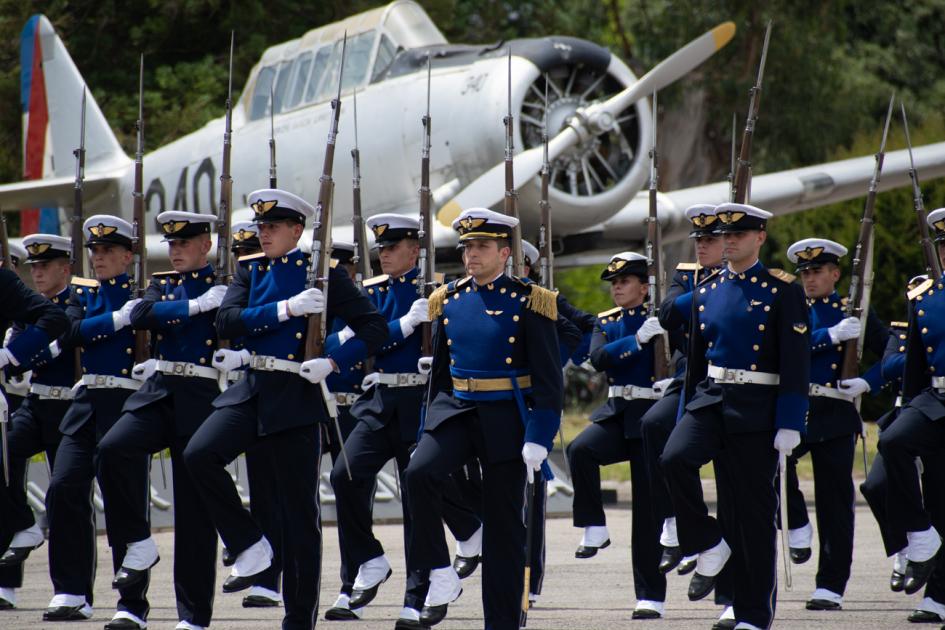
{"points": [[121, 280], [61, 296], [407, 277], [751, 272], [828, 299], [196, 274], [291, 255], [490, 285]]}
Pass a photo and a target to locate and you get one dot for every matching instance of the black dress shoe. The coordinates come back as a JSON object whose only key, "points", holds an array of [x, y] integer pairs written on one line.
{"points": [[917, 574], [6, 604], [362, 597], [122, 623], [924, 616], [700, 586], [229, 559], [236, 583], [670, 559], [340, 614], [644, 613], [126, 577], [822, 604], [64, 613], [686, 567], [432, 615], [464, 566], [897, 582], [590, 552], [410, 624], [259, 601], [724, 624], [800, 555], [15, 556]]}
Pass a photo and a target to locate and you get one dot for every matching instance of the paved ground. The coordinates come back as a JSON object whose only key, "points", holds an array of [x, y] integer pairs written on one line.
{"points": [[586, 594]]}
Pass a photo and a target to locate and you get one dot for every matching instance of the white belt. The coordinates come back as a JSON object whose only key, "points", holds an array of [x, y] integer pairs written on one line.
{"points": [[49, 392], [938, 382], [632, 392], [742, 377], [344, 399], [105, 381], [272, 364], [404, 379], [829, 392], [183, 368]]}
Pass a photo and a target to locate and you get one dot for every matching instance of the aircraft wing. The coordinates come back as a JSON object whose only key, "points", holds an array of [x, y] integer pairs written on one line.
{"points": [[57, 191], [784, 192]]}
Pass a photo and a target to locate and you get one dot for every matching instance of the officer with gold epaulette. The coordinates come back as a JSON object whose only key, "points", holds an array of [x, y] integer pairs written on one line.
{"points": [[751, 358], [34, 426], [919, 429], [833, 422], [496, 394], [279, 402], [100, 314], [620, 347], [178, 387]]}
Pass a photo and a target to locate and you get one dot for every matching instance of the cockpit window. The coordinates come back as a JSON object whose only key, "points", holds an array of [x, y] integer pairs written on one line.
{"points": [[300, 76], [285, 75], [358, 59], [385, 55], [319, 71], [260, 103]]}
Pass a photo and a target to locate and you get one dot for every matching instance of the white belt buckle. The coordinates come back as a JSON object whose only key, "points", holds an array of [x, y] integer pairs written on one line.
{"points": [[55, 392], [100, 380], [178, 368]]}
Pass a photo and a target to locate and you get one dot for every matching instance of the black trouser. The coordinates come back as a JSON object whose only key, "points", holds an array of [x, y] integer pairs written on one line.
{"points": [[72, 551], [263, 490], [138, 434], [232, 430], [833, 499], [875, 490], [749, 463], [33, 429], [656, 425], [911, 435], [441, 452], [368, 450], [600, 444]]}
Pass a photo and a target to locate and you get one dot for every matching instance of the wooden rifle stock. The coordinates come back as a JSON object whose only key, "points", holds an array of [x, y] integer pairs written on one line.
{"points": [[140, 264]]}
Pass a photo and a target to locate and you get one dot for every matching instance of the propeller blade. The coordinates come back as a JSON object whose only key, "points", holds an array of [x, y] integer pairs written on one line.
{"points": [[489, 188]]}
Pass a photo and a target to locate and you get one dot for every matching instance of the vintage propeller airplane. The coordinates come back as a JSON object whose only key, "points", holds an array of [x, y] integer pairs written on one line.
{"points": [[598, 117]]}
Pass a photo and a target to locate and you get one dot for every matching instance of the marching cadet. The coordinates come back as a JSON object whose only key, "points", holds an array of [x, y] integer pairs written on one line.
{"points": [[388, 414], [752, 356], [918, 430], [279, 401], [100, 314], [15, 386], [178, 387], [495, 393], [34, 426], [620, 347], [833, 422]]}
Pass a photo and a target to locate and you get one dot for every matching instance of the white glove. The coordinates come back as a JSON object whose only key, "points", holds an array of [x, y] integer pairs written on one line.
{"points": [[846, 328], [649, 329], [316, 370], [8, 336], [786, 440], [54, 350], [6, 358], [370, 381], [425, 365], [418, 313], [660, 386], [854, 386], [307, 302], [143, 371], [344, 335], [122, 317], [229, 360], [208, 301], [533, 455]]}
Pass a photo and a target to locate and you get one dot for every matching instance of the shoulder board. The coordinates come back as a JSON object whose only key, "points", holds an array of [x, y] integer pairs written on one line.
{"points": [[165, 273], [782, 275], [709, 277], [543, 301], [84, 282], [922, 288], [610, 312], [899, 324], [333, 262], [250, 257], [370, 282], [684, 266], [456, 285]]}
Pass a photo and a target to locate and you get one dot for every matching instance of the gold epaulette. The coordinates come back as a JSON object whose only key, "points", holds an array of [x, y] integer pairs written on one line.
{"points": [[610, 312], [333, 262], [438, 298], [543, 301], [84, 282], [899, 324], [919, 290], [255, 256], [439, 278], [782, 275], [370, 282], [684, 266]]}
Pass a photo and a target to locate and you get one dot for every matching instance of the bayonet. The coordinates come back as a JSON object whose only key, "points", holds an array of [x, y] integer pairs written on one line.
{"points": [[933, 266], [654, 254], [425, 279], [511, 196], [742, 183], [362, 259], [272, 140]]}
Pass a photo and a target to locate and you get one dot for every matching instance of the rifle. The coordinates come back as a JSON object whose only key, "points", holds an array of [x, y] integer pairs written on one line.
{"points": [[425, 260], [654, 253], [731, 169], [78, 256], [362, 259], [511, 196], [224, 236], [272, 140], [741, 186], [4, 407], [933, 266], [140, 265], [318, 269], [546, 271]]}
